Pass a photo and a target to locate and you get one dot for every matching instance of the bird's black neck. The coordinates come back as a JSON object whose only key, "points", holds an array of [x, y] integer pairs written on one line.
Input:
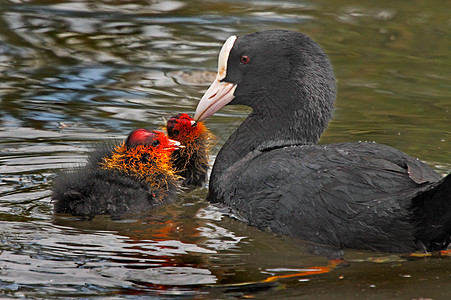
{"points": [[270, 124]]}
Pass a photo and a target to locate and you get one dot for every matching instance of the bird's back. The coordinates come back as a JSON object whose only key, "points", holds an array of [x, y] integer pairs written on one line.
{"points": [[90, 190], [355, 195]]}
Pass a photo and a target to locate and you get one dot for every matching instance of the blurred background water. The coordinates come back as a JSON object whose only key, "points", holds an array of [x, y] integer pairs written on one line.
{"points": [[80, 71]]}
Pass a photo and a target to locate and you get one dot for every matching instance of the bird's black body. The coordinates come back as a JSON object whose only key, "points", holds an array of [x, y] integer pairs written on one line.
{"points": [[91, 190], [345, 195], [190, 162], [350, 195], [192, 169]]}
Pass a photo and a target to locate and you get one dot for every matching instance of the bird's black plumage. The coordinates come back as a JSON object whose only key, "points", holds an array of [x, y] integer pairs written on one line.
{"points": [[191, 161], [273, 175], [92, 189]]}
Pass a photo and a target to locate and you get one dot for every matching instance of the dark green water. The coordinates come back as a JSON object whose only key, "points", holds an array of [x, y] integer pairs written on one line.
{"points": [[76, 72]]}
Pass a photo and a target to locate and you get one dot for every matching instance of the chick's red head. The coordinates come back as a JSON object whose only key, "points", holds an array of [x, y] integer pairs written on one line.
{"points": [[151, 140], [146, 155], [184, 129]]}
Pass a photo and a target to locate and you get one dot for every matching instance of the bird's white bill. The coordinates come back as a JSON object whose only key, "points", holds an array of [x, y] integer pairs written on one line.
{"points": [[219, 93], [216, 97]]}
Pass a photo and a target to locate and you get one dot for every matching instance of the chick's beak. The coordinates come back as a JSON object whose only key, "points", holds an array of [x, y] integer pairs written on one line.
{"points": [[173, 145]]}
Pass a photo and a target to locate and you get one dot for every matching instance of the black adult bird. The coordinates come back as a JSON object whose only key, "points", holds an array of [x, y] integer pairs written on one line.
{"points": [[134, 176], [271, 173]]}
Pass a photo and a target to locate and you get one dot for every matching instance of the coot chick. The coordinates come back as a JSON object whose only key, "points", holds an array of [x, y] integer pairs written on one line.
{"points": [[134, 176], [190, 162], [272, 174]]}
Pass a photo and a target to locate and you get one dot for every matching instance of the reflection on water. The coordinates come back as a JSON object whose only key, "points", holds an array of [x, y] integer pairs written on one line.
{"points": [[78, 72]]}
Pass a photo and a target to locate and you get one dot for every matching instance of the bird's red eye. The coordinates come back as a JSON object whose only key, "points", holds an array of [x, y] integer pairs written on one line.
{"points": [[244, 59]]}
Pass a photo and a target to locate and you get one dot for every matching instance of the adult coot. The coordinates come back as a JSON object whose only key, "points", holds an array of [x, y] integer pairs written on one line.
{"points": [[133, 176], [191, 161], [271, 173]]}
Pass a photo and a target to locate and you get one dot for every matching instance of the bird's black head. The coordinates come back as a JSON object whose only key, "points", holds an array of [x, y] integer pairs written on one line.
{"points": [[280, 73], [257, 64]]}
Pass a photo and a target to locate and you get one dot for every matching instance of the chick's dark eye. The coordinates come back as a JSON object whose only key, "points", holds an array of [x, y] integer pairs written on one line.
{"points": [[155, 143], [175, 132], [245, 59]]}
